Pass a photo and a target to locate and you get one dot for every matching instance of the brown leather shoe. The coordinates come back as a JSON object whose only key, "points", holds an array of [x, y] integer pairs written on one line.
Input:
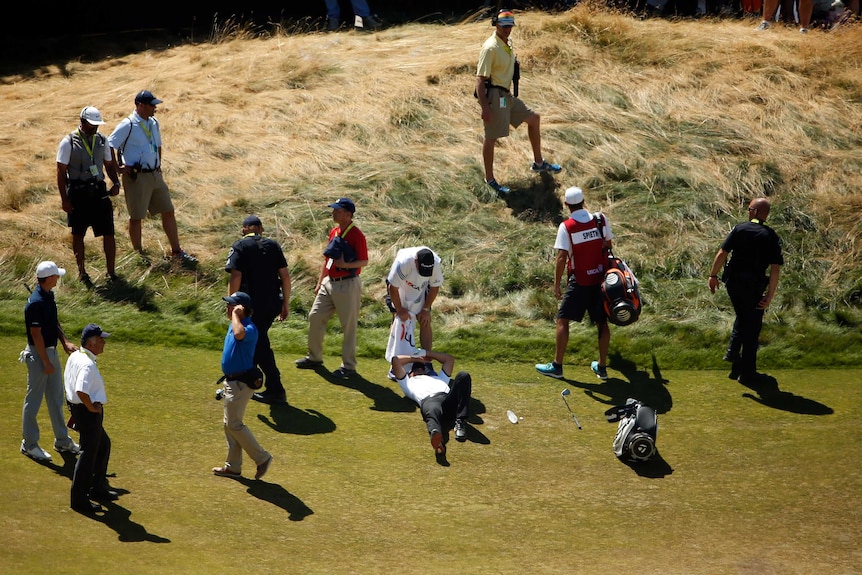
{"points": [[263, 468], [225, 472]]}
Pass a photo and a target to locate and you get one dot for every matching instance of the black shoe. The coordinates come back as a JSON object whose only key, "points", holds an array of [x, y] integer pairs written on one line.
{"points": [[88, 508], [344, 373], [306, 363], [734, 373], [270, 398], [104, 494]]}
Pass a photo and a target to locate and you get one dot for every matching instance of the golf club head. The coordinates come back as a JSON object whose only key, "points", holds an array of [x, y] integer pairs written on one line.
{"points": [[565, 392]]}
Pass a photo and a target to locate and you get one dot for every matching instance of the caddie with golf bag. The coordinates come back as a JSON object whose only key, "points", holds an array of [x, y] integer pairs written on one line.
{"points": [[636, 432]]}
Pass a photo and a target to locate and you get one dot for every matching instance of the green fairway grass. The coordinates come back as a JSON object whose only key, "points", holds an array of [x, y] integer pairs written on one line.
{"points": [[743, 483]]}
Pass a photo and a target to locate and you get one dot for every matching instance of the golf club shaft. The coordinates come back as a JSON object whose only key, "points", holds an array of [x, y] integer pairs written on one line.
{"points": [[575, 417]]}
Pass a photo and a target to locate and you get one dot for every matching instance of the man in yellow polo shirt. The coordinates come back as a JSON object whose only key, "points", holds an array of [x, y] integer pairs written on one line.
{"points": [[500, 108]]}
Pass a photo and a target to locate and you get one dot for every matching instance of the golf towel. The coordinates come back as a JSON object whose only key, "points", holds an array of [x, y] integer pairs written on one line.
{"points": [[401, 337]]}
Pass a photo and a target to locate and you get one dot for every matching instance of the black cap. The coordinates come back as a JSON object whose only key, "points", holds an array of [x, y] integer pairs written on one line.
{"points": [[251, 220], [146, 97], [239, 298], [425, 261], [344, 203], [92, 330]]}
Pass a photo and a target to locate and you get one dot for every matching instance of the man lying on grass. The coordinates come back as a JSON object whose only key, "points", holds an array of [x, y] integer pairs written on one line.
{"points": [[440, 398]]}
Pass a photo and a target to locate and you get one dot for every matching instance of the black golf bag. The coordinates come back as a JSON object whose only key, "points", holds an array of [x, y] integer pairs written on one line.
{"points": [[637, 430]]}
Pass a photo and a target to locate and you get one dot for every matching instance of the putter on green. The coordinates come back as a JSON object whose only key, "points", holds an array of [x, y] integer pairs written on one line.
{"points": [[564, 393]]}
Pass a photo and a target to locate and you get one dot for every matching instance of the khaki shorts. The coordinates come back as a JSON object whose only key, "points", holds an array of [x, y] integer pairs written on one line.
{"points": [[146, 193], [513, 114]]}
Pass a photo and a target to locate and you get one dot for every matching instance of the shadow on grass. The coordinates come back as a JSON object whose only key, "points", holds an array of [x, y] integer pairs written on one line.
{"points": [[121, 291], [656, 467], [285, 418], [384, 398], [648, 387], [770, 395], [538, 201], [67, 470], [119, 519], [278, 496]]}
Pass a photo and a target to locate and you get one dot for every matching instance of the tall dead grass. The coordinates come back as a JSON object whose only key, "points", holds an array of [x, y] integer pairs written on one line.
{"points": [[670, 126]]}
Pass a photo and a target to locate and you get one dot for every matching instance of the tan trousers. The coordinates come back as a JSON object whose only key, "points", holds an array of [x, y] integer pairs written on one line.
{"points": [[341, 297], [239, 436]]}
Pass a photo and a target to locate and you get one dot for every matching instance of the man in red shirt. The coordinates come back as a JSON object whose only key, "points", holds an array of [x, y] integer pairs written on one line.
{"points": [[582, 244], [339, 290]]}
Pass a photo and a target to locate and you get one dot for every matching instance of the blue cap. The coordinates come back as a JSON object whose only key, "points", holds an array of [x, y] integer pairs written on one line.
{"points": [[344, 203], [92, 330], [239, 298], [146, 97]]}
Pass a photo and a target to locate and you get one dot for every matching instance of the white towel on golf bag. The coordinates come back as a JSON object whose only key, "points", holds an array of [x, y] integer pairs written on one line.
{"points": [[401, 337]]}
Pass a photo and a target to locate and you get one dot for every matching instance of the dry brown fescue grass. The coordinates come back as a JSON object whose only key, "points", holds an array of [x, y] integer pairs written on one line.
{"points": [[671, 127]]}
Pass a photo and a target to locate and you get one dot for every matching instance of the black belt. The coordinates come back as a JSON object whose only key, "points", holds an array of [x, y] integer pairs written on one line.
{"points": [[332, 279]]}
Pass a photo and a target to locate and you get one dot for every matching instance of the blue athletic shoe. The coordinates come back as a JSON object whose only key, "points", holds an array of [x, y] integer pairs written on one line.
{"points": [[600, 370], [499, 188], [550, 369], [546, 167]]}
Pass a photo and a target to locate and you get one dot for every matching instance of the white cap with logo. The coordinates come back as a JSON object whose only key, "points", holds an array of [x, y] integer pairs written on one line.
{"points": [[92, 116], [574, 196], [47, 269]]}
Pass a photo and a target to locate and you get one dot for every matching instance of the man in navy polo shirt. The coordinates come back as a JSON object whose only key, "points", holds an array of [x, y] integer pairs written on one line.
{"points": [[257, 266], [44, 377]]}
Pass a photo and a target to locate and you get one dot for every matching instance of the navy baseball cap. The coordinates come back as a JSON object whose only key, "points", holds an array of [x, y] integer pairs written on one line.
{"points": [[239, 298], [92, 330], [146, 97], [345, 203], [251, 220]]}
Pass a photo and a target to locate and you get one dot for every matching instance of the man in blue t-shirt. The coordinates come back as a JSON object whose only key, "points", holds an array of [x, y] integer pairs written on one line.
{"points": [[236, 360]]}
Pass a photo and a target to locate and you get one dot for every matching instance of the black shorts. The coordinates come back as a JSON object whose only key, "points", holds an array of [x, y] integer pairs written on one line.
{"points": [[579, 300], [90, 211]]}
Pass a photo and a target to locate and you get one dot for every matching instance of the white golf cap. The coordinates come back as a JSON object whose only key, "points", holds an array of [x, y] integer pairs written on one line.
{"points": [[574, 196], [92, 116], [48, 269]]}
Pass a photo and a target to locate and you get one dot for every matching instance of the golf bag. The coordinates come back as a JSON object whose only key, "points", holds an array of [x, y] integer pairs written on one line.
{"points": [[620, 293], [636, 432], [621, 297]]}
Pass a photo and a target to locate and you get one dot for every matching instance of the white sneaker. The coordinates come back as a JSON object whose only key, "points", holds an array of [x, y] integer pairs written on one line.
{"points": [[35, 453], [764, 25], [72, 448], [417, 352]]}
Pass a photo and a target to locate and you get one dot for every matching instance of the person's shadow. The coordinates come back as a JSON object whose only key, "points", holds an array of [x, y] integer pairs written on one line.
{"points": [[648, 387], [769, 395], [383, 397], [286, 418], [278, 496], [119, 519]]}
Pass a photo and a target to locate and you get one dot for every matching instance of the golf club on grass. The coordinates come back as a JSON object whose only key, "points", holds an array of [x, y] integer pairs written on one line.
{"points": [[564, 393]]}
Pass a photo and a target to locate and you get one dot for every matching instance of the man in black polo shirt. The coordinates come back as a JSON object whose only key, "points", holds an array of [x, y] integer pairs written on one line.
{"points": [[755, 248], [44, 376], [257, 266]]}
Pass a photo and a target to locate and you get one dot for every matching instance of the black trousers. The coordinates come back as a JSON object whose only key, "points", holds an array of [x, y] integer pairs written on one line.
{"points": [[448, 406], [746, 327], [92, 466], [264, 357]]}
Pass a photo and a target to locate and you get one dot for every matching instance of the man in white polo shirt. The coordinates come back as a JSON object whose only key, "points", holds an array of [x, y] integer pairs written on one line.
{"points": [[85, 392], [440, 398]]}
